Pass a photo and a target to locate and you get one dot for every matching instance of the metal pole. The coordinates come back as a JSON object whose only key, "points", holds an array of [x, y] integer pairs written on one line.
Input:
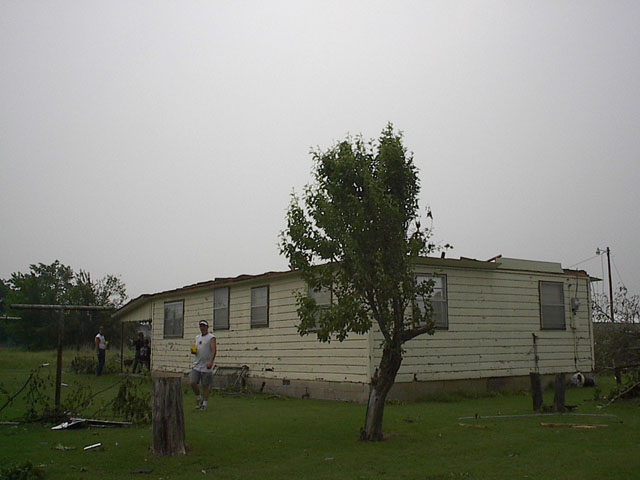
{"points": [[610, 284], [59, 366], [122, 347]]}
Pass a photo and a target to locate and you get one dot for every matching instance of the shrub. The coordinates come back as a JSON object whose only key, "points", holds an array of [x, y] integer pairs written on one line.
{"points": [[23, 471], [88, 364]]}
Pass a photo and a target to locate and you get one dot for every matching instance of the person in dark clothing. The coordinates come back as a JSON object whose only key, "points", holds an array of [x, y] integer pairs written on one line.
{"points": [[138, 343], [145, 354]]}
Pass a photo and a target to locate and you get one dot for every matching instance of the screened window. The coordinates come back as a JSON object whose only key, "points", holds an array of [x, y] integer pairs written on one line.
{"points": [[552, 306], [221, 308], [260, 307], [438, 299], [173, 319], [323, 298]]}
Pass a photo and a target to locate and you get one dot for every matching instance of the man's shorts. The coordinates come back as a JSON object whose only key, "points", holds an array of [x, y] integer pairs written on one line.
{"points": [[203, 378]]}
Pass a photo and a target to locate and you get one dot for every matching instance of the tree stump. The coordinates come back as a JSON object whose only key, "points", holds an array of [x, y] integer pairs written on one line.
{"points": [[536, 391], [558, 394], [167, 415]]}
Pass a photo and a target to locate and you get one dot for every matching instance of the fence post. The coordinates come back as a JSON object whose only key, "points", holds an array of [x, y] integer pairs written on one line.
{"points": [[558, 393], [536, 391]]}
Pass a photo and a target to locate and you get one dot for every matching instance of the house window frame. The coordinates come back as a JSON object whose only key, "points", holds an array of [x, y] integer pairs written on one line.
{"points": [[254, 307], [444, 302], [551, 324], [226, 308], [313, 293], [167, 304]]}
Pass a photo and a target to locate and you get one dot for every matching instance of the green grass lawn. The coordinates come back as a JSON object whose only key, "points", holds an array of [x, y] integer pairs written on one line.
{"points": [[266, 437]]}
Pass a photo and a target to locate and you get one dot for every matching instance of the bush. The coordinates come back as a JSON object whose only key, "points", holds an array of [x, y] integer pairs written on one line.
{"points": [[133, 403], [23, 471], [88, 364]]}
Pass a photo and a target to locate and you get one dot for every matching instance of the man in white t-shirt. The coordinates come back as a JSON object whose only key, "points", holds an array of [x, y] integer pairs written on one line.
{"points": [[202, 373], [101, 348]]}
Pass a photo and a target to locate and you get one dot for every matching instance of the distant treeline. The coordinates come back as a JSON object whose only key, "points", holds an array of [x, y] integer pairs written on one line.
{"points": [[58, 284]]}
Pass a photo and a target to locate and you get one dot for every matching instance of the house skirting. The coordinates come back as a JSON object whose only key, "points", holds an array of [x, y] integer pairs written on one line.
{"points": [[359, 392]]}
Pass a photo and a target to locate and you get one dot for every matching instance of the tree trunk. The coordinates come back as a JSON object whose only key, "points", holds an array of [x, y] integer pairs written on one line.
{"points": [[381, 383], [167, 415], [536, 391]]}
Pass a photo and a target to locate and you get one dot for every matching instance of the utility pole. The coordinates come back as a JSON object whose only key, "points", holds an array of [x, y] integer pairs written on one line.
{"points": [[608, 251], [610, 284]]}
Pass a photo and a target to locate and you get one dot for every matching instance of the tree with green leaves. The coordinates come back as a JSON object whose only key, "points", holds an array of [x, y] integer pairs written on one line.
{"points": [[617, 343], [356, 232], [58, 284]]}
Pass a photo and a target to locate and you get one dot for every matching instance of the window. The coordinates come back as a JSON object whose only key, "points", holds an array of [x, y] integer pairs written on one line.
{"points": [[552, 306], [173, 319], [438, 299], [260, 307], [221, 308], [323, 298]]}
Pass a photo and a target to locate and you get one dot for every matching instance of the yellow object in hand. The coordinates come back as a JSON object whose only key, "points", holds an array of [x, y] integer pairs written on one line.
{"points": [[194, 349]]}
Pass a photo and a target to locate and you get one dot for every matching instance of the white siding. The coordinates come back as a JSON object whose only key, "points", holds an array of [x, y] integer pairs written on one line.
{"points": [[139, 314], [278, 351], [493, 316]]}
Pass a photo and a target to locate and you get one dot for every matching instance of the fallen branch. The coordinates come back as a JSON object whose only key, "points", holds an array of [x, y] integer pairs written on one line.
{"points": [[10, 399], [622, 394]]}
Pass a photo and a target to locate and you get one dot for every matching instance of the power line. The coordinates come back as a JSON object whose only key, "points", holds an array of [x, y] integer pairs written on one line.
{"points": [[583, 261], [618, 272]]}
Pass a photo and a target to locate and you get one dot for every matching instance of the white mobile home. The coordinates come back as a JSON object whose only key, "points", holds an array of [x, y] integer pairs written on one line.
{"points": [[497, 321]]}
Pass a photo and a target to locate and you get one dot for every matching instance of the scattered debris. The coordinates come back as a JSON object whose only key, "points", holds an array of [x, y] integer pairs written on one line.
{"points": [[59, 446], [89, 422], [573, 425], [467, 425], [95, 445], [600, 415], [581, 380]]}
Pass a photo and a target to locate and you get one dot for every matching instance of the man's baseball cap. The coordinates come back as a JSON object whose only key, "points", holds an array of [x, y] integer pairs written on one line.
{"points": [[204, 322]]}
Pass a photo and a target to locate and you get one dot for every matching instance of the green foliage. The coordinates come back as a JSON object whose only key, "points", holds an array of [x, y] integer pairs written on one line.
{"points": [[133, 401], [356, 232], [88, 364], [78, 399], [617, 344], [629, 388], [57, 284], [21, 471], [38, 397]]}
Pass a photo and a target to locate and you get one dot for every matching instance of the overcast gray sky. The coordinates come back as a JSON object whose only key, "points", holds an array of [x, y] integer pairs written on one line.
{"points": [[160, 141]]}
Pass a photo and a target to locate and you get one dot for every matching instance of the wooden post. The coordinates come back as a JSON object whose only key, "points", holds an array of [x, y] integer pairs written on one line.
{"points": [[121, 347], [536, 391], [558, 395], [167, 415], [59, 364]]}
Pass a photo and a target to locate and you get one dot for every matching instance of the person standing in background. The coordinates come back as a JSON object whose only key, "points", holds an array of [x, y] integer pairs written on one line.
{"points": [[101, 348], [138, 343]]}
